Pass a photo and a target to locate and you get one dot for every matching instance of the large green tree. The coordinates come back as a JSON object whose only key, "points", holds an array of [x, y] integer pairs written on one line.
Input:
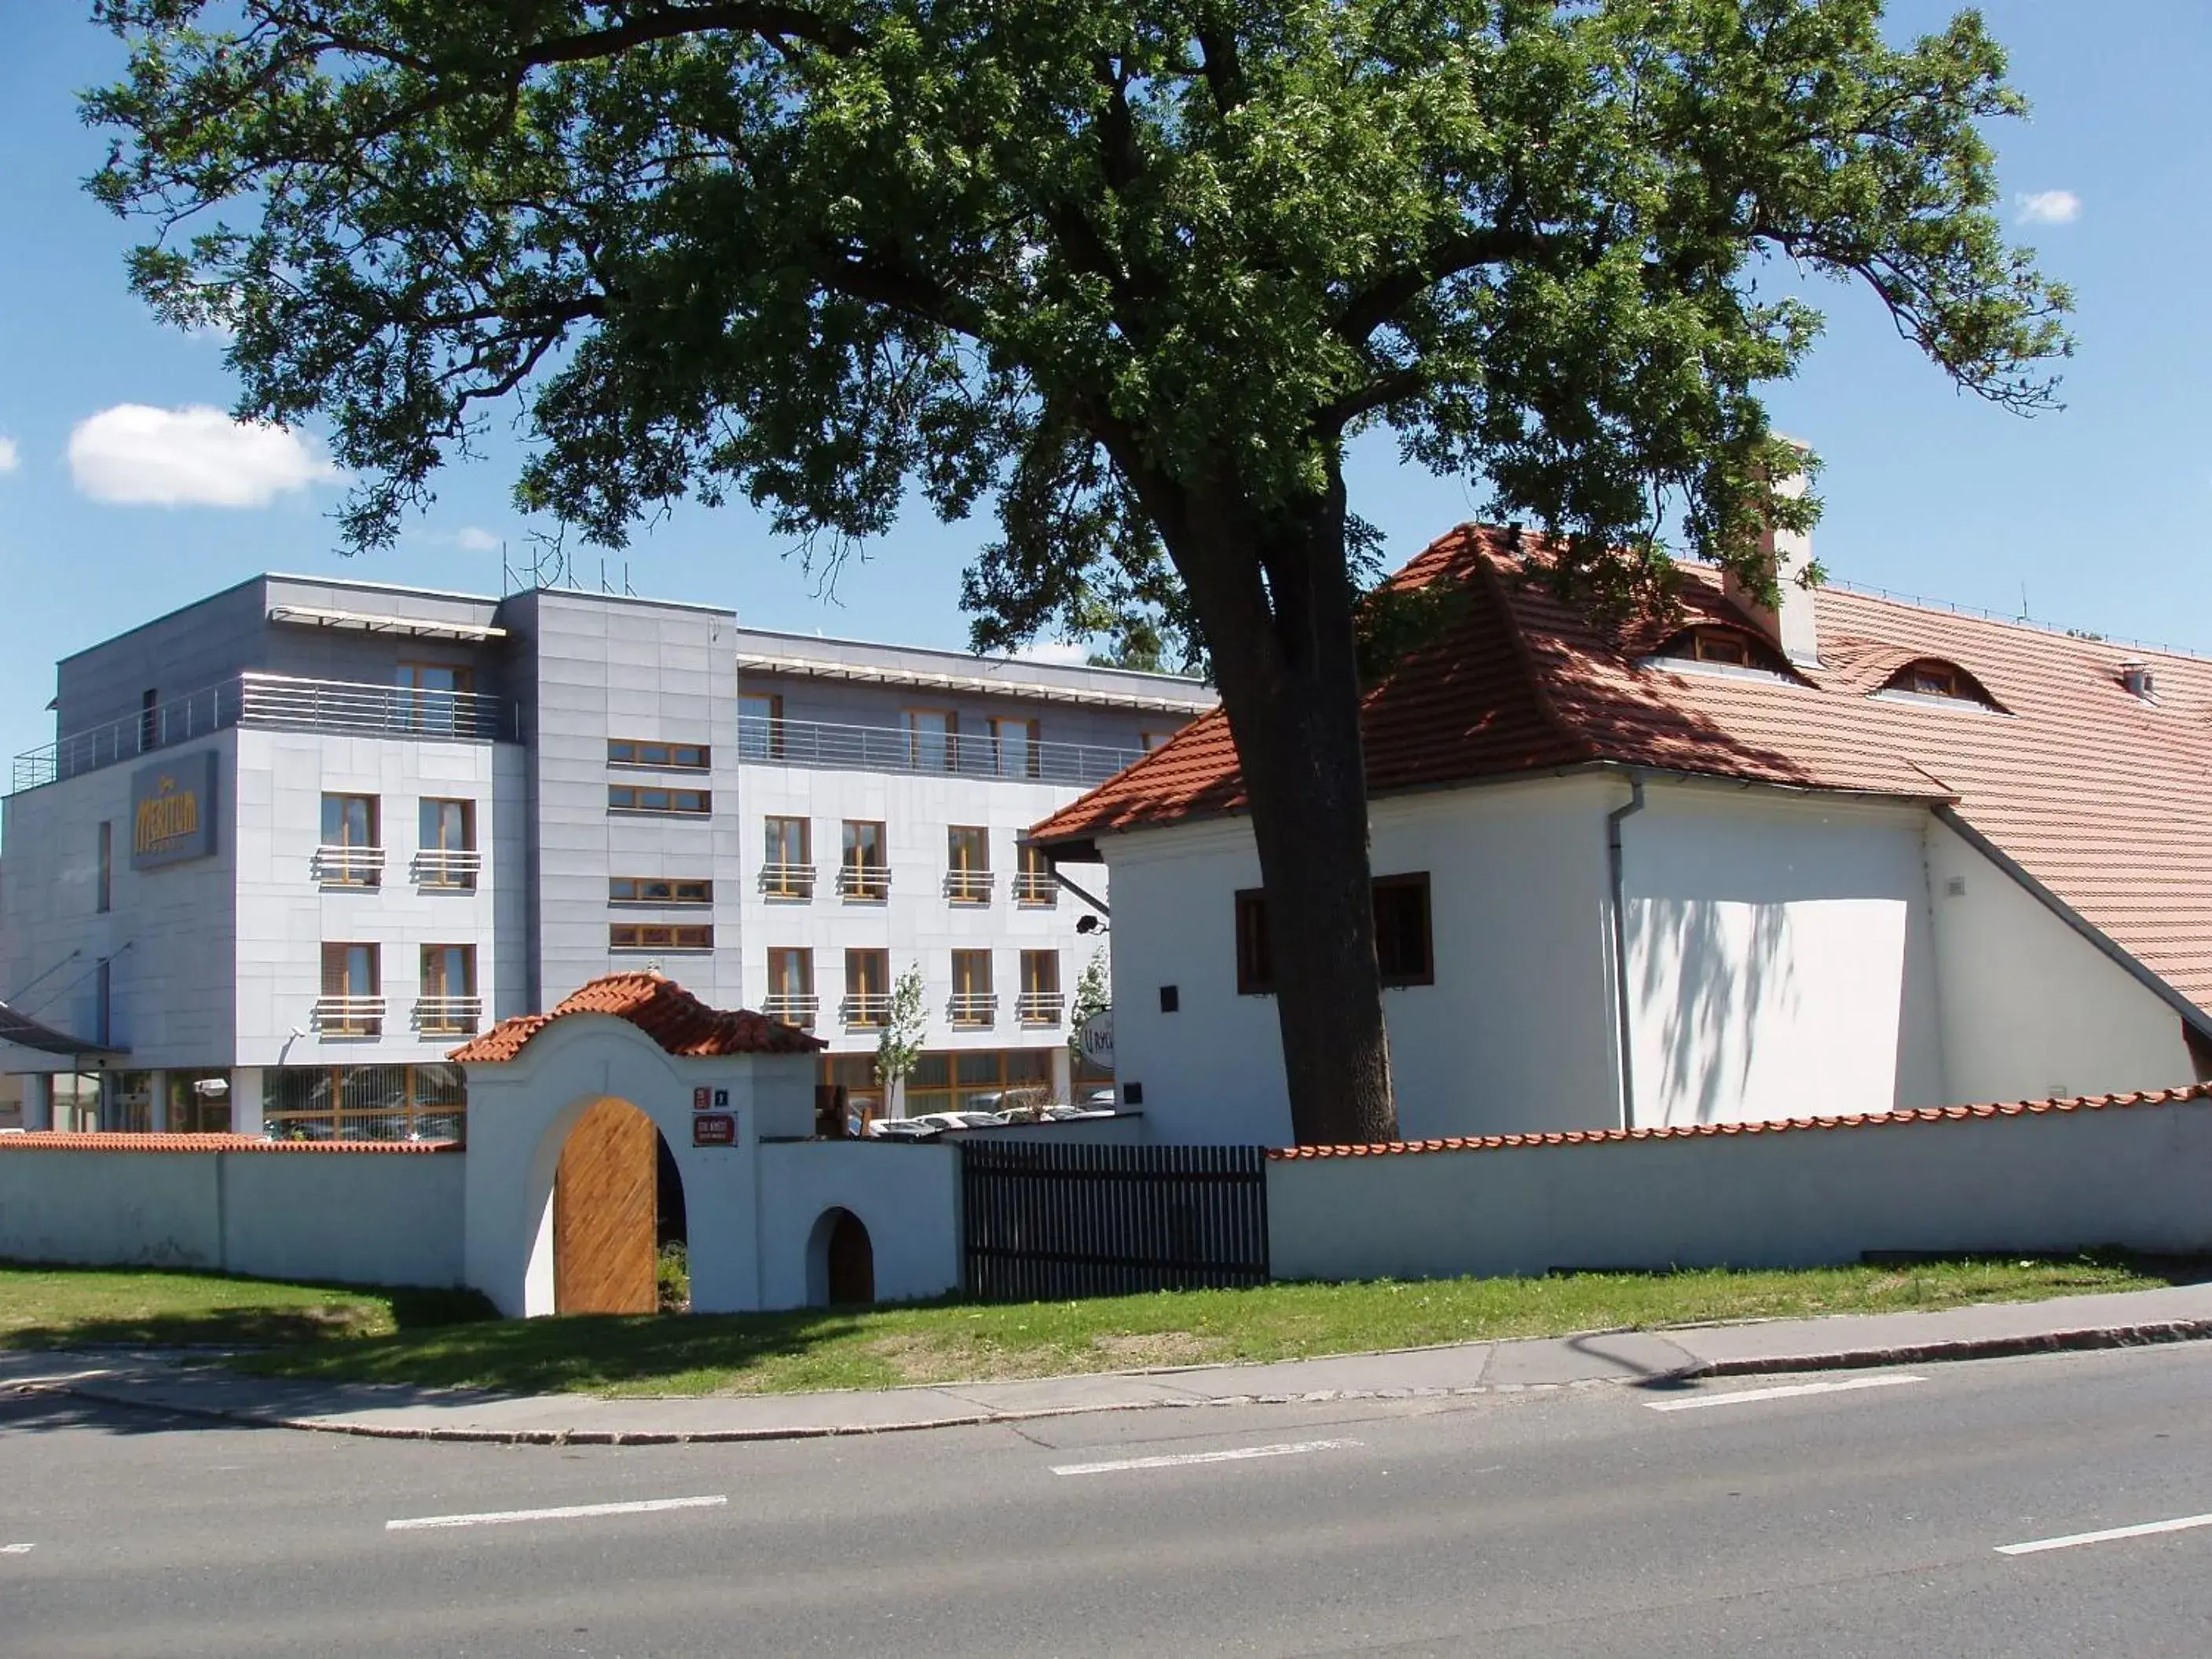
{"points": [[1130, 275]]}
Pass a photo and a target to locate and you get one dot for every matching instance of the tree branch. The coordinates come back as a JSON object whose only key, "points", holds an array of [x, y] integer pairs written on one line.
{"points": [[1375, 305]]}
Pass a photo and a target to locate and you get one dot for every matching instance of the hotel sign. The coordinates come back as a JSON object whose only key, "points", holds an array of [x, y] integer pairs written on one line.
{"points": [[173, 811]]}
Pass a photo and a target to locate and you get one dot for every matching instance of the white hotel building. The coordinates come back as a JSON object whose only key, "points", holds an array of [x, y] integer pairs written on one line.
{"points": [[296, 841]]}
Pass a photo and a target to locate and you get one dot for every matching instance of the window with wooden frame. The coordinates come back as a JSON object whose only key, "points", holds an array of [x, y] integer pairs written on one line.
{"points": [[668, 756], [933, 736], [974, 1002], [1722, 648], [648, 798], [1014, 745], [867, 988], [968, 864], [1403, 944], [787, 859], [429, 695], [1033, 884], [352, 850], [658, 890], [447, 1003], [1041, 1001], [791, 985], [445, 853], [1932, 677], [863, 871], [659, 936], [352, 1000], [760, 726]]}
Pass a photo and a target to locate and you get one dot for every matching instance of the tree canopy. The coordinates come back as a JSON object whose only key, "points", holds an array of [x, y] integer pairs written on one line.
{"points": [[1128, 276]]}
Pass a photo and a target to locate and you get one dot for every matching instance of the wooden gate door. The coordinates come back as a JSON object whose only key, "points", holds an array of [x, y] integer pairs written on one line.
{"points": [[603, 1213]]}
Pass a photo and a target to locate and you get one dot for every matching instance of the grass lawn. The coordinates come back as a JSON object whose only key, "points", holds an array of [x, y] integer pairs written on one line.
{"points": [[945, 1342], [45, 1307]]}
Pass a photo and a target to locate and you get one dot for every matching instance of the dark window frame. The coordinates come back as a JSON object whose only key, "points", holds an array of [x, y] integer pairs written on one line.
{"points": [[649, 936], [1256, 968], [657, 755], [701, 892], [636, 798]]}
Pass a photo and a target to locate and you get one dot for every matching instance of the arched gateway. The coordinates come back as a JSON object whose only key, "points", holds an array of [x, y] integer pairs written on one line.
{"points": [[569, 1112]]}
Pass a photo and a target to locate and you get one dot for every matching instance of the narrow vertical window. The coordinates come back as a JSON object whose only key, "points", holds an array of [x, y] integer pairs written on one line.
{"points": [[863, 872], [104, 894], [867, 987], [149, 718], [448, 1004], [787, 861], [791, 985], [932, 739], [448, 854], [352, 1004], [973, 1001], [1015, 744], [1041, 1002], [1256, 961], [352, 851], [760, 726], [968, 864]]}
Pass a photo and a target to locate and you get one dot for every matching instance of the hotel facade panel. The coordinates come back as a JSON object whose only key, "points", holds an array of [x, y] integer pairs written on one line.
{"points": [[295, 841]]}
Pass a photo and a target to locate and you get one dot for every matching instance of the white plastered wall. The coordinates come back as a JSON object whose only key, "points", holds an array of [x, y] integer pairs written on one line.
{"points": [[1780, 959], [906, 1195], [2031, 1009], [1515, 1034]]}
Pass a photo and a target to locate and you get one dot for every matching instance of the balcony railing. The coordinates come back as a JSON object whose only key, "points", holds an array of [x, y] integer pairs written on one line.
{"points": [[254, 698], [967, 886], [349, 1017], [350, 867], [1034, 887], [780, 741], [974, 1008], [864, 881], [789, 881], [448, 1015], [794, 1008], [866, 1008], [454, 868], [1039, 1008]]}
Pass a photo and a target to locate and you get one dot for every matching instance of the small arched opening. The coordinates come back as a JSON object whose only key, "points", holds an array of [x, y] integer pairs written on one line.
{"points": [[840, 1261]]}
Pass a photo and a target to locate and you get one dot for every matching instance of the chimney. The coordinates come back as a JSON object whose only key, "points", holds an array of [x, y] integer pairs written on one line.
{"points": [[1790, 623], [2135, 674]]}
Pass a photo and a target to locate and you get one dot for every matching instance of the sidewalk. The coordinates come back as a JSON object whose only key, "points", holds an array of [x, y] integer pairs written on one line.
{"points": [[2172, 1313]]}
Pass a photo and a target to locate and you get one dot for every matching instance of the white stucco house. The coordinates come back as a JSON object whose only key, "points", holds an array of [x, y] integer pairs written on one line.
{"points": [[1854, 855]]}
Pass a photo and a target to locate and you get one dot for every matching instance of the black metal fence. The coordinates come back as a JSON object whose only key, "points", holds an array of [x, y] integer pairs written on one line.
{"points": [[1045, 1222]]}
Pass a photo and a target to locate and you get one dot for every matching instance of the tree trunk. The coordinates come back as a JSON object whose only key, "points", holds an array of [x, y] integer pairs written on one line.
{"points": [[1288, 674]]}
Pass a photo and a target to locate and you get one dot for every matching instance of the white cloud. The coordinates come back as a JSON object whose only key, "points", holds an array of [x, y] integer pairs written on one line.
{"points": [[474, 539], [194, 457], [9, 455], [1065, 654], [2048, 207]]}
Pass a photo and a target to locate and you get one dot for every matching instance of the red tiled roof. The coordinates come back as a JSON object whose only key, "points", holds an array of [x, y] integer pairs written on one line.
{"points": [[2100, 796], [56, 1140], [660, 1008], [1772, 1127]]}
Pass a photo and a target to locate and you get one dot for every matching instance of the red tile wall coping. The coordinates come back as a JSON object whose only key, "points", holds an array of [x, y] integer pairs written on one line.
{"points": [[1776, 1126], [658, 1006], [55, 1140]]}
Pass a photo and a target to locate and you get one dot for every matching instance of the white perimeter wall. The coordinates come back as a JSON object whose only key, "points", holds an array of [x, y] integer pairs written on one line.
{"points": [[356, 1217], [1780, 957], [2135, 1176], [1517, 1033], [907, 1196]]}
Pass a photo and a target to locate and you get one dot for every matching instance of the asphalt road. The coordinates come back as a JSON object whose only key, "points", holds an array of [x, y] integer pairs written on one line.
{"points": [[1852, 1520]]}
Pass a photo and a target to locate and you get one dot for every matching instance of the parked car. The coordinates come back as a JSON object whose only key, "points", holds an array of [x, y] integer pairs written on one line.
{"points": [[901, 1128], [1069, 1113]]}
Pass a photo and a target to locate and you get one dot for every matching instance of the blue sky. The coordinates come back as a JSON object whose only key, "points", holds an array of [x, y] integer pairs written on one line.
{"points": [[2096, 513]]}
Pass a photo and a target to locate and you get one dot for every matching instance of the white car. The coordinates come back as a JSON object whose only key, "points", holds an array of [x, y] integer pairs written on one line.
{"points": [[901, 1128]]}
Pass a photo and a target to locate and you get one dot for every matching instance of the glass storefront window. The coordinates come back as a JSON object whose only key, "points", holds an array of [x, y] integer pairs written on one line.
{"points": [[200, 1102]]}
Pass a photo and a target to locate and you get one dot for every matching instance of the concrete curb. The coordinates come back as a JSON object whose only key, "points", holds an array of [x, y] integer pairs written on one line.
{"points": [[2087, 1340]]}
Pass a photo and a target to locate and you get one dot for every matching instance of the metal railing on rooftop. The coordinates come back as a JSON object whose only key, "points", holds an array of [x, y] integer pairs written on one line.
{"points": [[253, 698], [778, 741]]}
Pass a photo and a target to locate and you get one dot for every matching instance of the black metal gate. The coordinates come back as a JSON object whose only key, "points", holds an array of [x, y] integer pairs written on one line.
{"points": [[1044, 1223]]}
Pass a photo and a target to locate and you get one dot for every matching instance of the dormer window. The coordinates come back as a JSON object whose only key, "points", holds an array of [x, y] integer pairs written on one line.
{"points": [[1932, 677], [1720, 648]]}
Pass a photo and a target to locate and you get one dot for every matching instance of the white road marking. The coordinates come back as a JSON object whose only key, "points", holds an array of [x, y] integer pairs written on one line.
{"points": [[1176, 1460], [572, 1512], [51, 1378], [2036, 1547], [1790, 1391], [17, 1549]]}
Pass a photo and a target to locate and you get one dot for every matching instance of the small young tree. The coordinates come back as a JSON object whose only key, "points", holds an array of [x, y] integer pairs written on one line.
{"points": [[898, 1050]]}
